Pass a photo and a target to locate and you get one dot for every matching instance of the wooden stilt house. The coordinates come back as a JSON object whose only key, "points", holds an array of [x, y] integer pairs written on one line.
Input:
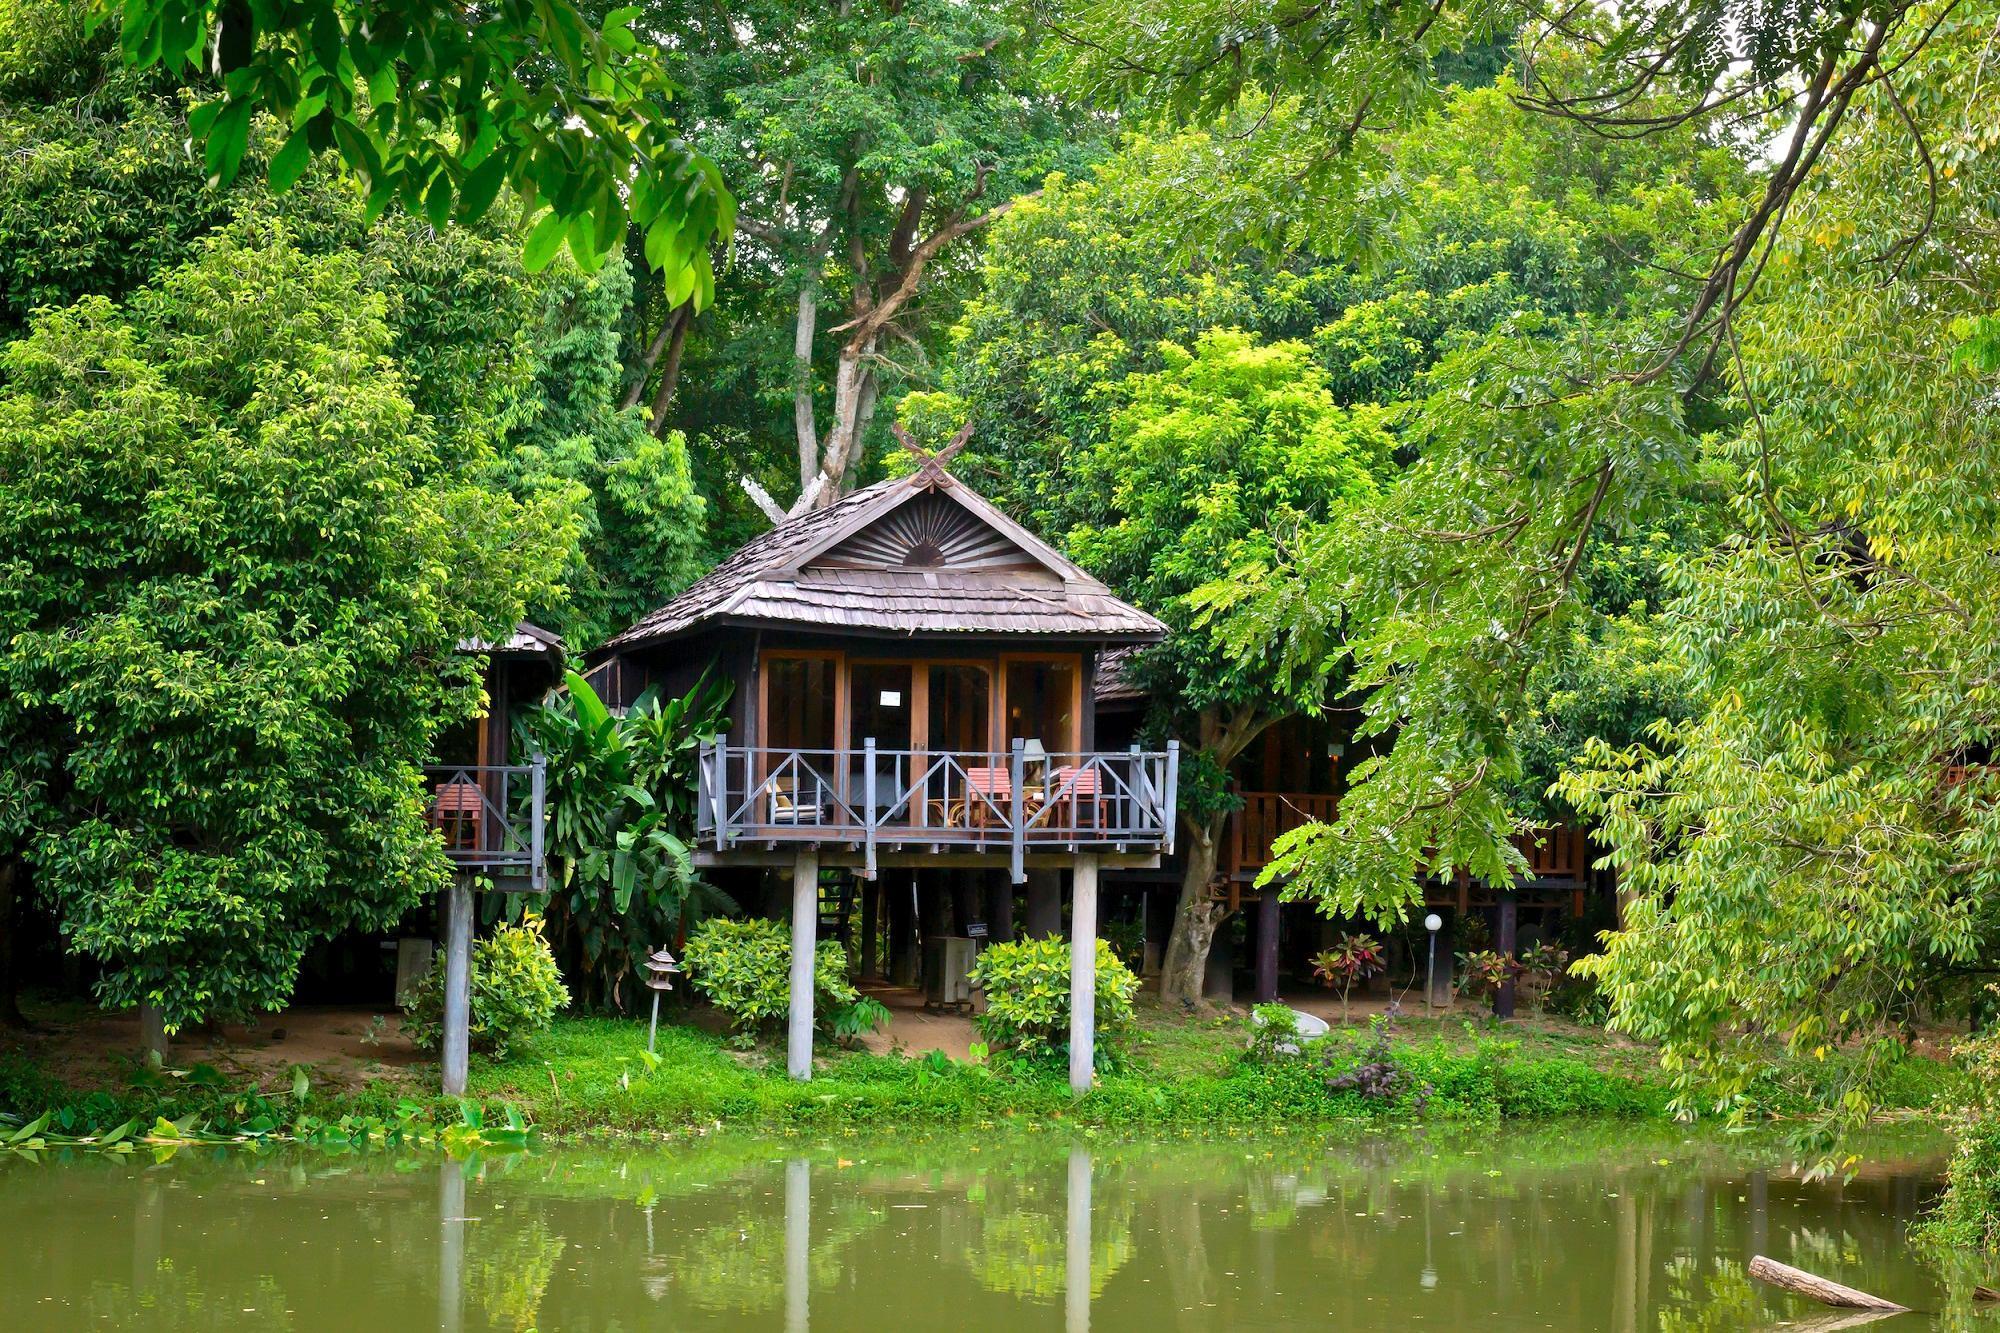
{"points": [[914, 692]]}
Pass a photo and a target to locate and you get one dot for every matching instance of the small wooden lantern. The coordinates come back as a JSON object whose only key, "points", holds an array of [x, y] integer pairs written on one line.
{"points": [[660, 972]]}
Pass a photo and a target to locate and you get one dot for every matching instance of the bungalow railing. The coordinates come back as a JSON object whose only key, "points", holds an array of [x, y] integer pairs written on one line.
{"points": [[491, 817], [1012, 801], [1266, 816]]}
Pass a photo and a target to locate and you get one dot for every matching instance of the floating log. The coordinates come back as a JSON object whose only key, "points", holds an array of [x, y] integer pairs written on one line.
{"points": [[1985, 1294], [1815, 1288]]}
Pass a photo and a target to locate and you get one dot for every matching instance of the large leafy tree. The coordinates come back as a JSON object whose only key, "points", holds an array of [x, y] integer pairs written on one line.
{"points": [[1210, 463], [868, 143], [1807, 866], [1490, 220], [1811, 866], [235, 561]]}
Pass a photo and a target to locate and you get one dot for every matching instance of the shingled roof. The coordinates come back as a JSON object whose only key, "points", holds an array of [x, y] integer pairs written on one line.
{"points": [[923, 554]]}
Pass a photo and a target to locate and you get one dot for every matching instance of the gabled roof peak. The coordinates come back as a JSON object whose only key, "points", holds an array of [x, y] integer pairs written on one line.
{"points": [[919, 554]]}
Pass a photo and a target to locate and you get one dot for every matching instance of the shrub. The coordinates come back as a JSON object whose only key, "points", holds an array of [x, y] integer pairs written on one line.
{"points": [[517, 990], [1274, 1032], [1027, 996], [1484, 971], [1355, 958], [745, 970], [1377, 1076]]}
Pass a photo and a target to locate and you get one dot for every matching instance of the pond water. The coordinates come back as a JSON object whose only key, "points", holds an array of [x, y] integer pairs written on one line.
{"points": [[1576, 1228]]}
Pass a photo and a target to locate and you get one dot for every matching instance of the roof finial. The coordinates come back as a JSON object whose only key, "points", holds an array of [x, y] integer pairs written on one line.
{"points": [[933, 462]]}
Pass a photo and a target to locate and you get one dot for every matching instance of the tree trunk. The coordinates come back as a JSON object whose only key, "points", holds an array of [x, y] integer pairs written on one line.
{"points": [[1816, 1288], [670, 375], [853, 407], [803, 425], [10, 990], [1195, 918]]}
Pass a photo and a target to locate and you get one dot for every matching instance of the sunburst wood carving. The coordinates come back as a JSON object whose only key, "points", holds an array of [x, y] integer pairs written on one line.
{"points": [[930, 532]]}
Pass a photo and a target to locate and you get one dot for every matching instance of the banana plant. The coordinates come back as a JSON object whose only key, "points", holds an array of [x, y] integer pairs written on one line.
{"points": [[621, 801]]}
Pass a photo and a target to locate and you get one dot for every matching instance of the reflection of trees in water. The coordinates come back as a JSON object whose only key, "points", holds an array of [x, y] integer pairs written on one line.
{"points": [[1723, 1300], [1012, 1227], [508, 1271], [170, 1299], [739, 1266], [1025, 1253]]}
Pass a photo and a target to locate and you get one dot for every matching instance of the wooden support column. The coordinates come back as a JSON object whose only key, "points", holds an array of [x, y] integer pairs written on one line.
{"points": [[1083, 974], [902, 913], [1044, 905], [965, 900], [871, 921], [1267, 946], [1503, 998], [457, 984], [999, 908], [1440, 979], [805, 929]]}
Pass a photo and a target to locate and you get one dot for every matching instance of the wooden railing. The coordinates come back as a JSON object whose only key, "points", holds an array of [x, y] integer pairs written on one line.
{"points": [[1247, 839], [1559, 853], [491, 818], [996, 800]]}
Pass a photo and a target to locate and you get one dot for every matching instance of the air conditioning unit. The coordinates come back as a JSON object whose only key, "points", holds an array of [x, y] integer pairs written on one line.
{"points": [[948, 963]]}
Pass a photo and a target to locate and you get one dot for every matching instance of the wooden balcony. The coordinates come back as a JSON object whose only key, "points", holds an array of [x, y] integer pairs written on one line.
{"points": [[490, 817], [1558, 857], [1007, 803]]}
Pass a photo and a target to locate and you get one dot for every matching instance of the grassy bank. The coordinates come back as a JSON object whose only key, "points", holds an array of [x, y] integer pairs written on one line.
{"points": [[586, 1075], [1175, 1073]]}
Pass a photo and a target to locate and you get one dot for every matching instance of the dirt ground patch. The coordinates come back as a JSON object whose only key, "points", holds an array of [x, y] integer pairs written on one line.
{"points": [[913, 1030], [344, 1048]]}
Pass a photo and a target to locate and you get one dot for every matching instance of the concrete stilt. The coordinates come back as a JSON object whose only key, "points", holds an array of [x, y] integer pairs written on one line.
{"points": [[457, 986], [805, 928], [1083, 974]]}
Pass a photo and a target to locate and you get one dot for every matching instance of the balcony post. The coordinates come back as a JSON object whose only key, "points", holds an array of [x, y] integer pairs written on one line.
{"points": [[538, 790], [1083, 974], [805, 925], [1172, 794], [1017, 819], [720, 788]]}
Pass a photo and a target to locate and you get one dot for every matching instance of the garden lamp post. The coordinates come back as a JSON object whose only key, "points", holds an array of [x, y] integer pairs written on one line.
{"points": [[1432, 923], [660, 970]]}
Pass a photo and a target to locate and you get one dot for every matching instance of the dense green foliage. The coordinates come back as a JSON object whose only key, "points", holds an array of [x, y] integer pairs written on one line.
{"points": [[517, 991], [629, 494], [744, 969], [1026, 983], [440, 112], [235, 560]]}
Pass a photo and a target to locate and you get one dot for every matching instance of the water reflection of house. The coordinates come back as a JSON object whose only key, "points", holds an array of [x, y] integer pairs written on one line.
{"points": [[915, 705], [1294, 774]]}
